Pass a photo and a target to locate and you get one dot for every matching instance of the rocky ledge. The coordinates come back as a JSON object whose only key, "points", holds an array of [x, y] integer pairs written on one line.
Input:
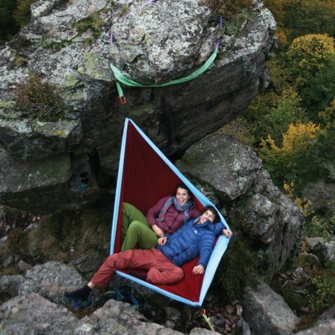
{"points": [[67, 51]]}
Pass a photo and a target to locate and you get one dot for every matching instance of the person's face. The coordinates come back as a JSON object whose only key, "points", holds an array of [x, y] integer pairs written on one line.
{"points": [[182, 196], [208, 215]]}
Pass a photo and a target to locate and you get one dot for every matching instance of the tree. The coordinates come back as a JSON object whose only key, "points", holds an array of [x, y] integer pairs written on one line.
{"points": [[284, 164], [307, 55], [277, 9], [287, 111], [305, 58], [323, 87], [328, 116], [303, 17], [259, 112]]}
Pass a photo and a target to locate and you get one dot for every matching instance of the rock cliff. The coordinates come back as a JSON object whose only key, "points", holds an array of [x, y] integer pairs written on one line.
{"points": [[65, 53]]}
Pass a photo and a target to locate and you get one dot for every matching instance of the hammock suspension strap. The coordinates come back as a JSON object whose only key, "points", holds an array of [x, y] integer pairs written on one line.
{"points": [[120, 78]]}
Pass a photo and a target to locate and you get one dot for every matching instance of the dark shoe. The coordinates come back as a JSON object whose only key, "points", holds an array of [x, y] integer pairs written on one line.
{"points": [[74, 304]]}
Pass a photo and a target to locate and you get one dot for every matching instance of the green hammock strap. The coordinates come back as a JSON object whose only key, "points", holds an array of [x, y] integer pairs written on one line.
{"points": [[122, 79]]}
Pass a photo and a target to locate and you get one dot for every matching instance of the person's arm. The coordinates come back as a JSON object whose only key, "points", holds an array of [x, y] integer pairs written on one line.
{"points": [[198, 270], [206, 245], [226, 232], [153, 212], [162, 241], [152, 215]]}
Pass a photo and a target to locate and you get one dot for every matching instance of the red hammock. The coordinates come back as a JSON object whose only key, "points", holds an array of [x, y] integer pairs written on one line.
{"points": [[144, 178]]}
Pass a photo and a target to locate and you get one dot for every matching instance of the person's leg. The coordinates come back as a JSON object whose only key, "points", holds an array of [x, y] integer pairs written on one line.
{"points": [[139, 234], [164, 271], [104, 275], [130, 214]]}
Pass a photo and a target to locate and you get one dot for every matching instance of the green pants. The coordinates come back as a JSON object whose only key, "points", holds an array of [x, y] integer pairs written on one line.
{"points": [[135, 229]]}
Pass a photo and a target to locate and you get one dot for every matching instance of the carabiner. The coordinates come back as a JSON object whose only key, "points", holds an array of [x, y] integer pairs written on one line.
{"points": [[123, 99]]}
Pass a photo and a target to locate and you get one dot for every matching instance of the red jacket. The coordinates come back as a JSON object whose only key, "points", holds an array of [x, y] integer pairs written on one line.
{"points": [[174, 219]]}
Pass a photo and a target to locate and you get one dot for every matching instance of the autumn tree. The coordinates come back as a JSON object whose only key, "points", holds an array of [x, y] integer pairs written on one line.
{"points": [[306, 57], [328, 115], [272, 112], [303, 17], [284, 163], [287, 111]]}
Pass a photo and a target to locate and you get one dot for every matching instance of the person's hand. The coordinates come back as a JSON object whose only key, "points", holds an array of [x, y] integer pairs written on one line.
{"points": [[198, 270], [157, 230], [226, 232], [162, 241]]}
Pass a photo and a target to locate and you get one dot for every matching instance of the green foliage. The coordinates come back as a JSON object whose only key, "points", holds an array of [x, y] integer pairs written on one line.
{"points": [[300, 18], [124, 10], [228, 8], [308, 17], [286, 112], [327, 116], [238, 269], [261, 109], [8, 25], [293, 299], [17, 241], [322, 294], [93, 22], [284, 163], [323, 88], [37, 98], [306, 56], [64, 226], [322, 225], [79, 231], [320, 228], [322, 156], [22, 13]]}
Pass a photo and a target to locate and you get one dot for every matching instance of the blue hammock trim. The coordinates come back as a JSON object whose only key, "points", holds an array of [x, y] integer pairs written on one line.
{"points": [[222, 241]]}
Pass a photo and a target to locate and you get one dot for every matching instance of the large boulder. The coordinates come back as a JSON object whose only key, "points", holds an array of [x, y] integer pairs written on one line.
{"points": [[69, 45], [253, 204], [267, 312], [33, 314]]}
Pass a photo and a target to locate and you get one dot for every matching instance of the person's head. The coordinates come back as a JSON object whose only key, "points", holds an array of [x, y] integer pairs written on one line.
{"points": [[183, 194], [209, 213]]}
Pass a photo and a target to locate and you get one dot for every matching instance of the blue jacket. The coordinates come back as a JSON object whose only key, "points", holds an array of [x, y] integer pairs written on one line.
{"points": [[190, 241]]}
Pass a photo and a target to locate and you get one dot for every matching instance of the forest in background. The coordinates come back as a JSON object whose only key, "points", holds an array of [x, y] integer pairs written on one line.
{"points": [[291, 125]]}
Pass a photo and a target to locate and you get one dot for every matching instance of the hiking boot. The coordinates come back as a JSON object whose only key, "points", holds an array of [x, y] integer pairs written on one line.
{"points": [[74, 303]]}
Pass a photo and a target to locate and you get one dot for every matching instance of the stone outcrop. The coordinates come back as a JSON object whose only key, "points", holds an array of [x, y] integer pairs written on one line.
{"points": [[68, 45], [35, 314], [253, 204], [324, 328], [322, 248], [39, 308], [267, 313]]}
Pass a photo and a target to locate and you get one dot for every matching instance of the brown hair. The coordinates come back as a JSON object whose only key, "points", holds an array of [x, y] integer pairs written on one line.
{"points": [[214, 211]]}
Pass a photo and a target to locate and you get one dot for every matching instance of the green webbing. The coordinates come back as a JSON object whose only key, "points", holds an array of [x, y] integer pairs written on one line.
{"points": [[121, 78]]}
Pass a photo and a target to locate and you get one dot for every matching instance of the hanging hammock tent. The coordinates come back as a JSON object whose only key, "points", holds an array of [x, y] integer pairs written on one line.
{"points": [[145, 176]]}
